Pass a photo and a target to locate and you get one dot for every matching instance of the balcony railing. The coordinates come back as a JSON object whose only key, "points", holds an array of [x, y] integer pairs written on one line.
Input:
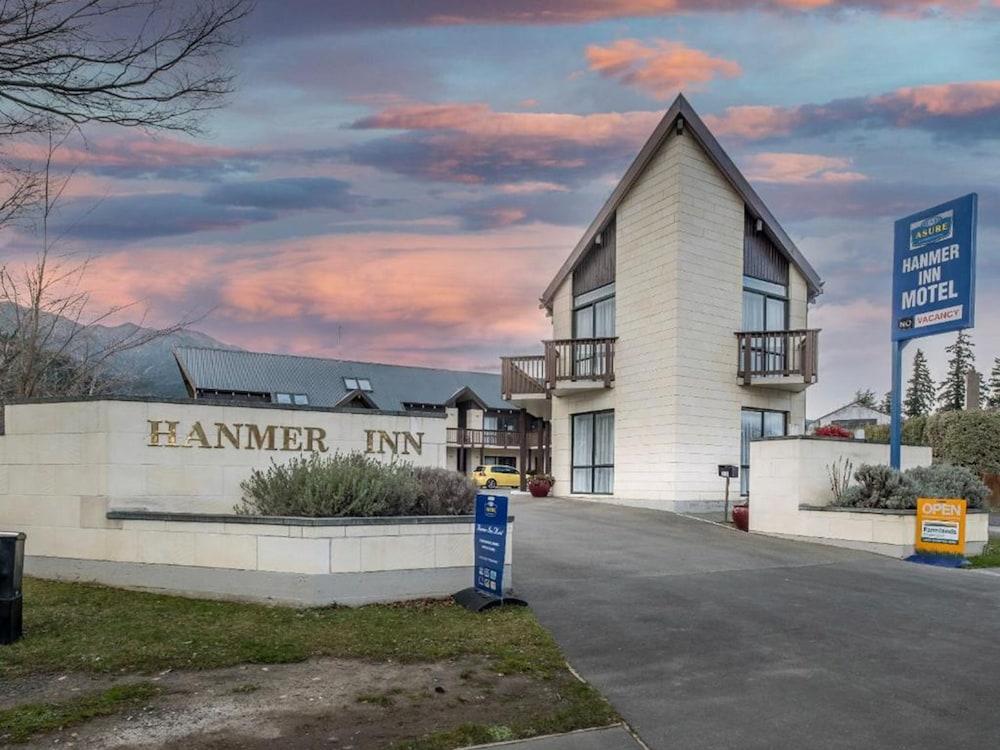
{"points": [[567, 363], [769, 355], [522, 375], [476, 438]]}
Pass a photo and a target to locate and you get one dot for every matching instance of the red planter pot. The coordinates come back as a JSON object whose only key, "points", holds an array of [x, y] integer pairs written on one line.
{"points": [[741, 516], [539, 489]]}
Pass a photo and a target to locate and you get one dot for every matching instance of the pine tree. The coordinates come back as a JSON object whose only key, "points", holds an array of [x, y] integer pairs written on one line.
{"points": [[865, 397], [951, 392], [886, 406], [920, 394], [991, 395]]}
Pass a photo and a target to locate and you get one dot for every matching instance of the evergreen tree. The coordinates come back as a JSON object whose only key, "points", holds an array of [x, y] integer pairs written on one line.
{"points": [[920, 394], [865, 397], [951, 392], [991, 393], [886, 405]]}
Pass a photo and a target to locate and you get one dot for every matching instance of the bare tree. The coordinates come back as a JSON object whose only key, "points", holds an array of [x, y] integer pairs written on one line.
{"points": [[154, 64], [48, 345]]}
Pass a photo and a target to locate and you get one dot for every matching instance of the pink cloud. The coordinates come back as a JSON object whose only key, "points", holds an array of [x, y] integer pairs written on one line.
{"points": [[482, 120], [661, 68], [949, 107], [797, 169], [385, 296]]}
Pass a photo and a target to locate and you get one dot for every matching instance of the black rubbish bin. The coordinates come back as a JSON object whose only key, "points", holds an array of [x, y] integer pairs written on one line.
{"points": [[11, 572]]}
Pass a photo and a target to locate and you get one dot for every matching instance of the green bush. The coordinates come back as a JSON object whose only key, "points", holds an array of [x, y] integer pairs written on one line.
{"points": [[353, 485], [967, 438], [879, 486], [946, 480], [913, 432]]}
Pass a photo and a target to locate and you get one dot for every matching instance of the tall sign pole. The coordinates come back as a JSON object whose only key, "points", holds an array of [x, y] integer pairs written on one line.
{"points": [[933, 286]]}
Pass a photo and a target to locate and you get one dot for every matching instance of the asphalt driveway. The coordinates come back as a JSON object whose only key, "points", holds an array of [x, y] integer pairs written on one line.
{"points": [[703, 637]]}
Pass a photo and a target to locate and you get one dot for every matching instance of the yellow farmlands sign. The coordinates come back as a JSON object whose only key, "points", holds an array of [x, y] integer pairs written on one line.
{"points": [[940, 526]]}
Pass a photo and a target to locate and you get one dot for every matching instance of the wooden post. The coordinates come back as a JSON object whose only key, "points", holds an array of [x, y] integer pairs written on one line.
{"points": [[725, 512]]}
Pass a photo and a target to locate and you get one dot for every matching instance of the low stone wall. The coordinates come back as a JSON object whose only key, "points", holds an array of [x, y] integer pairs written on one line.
{"points": [[790, 496], [303, 561]]}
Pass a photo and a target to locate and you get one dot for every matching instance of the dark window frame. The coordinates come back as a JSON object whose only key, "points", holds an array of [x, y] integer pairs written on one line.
{"points": [[593, 452], [743, 409], [592, 304]]}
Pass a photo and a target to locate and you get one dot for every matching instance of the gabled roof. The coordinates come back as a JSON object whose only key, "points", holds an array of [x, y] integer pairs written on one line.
{"points": [[868, 409], [691, 124], [322, 380]]}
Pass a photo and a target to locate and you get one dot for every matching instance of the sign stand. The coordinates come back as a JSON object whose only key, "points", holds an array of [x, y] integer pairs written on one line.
{"points": [[933, 286], [729, 472], [940, 532], [490, 551]]}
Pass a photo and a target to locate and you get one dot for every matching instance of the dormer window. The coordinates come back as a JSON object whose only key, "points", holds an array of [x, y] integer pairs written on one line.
{"points": [[358, 384]]}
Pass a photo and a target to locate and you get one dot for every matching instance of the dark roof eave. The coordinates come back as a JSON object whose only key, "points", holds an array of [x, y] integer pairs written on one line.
{"points": [[692, 123]]}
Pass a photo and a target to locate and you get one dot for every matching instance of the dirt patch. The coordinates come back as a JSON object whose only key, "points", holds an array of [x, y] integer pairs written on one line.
{"points": [[329, 703]]}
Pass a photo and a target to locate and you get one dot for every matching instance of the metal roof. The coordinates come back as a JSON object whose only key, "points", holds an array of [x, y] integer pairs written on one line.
{"points": [[682, 110], [322, 380]]}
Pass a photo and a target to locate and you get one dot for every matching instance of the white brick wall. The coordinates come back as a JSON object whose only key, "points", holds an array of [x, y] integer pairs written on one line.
{"points": [[678, 304]]}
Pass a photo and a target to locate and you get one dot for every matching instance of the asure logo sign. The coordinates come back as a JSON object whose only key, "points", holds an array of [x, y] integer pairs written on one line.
{"points": [[933, 229]]}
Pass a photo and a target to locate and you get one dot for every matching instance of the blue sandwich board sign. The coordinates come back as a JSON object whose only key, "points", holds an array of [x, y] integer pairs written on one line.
{"points": [[490, 543], [933, 286], [933, 270]]}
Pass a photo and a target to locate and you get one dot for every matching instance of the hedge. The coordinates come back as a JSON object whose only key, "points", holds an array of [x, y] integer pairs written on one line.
{"points": [[961, 438]]}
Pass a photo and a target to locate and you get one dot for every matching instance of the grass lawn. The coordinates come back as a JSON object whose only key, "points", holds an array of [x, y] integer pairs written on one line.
{"points": [[990, 558], [93, 629]]}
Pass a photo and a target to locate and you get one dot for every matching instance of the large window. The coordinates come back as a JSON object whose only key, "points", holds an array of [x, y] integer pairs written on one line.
{"points": [[593, 318], [593, 453], [757, 423], [765, 308]]}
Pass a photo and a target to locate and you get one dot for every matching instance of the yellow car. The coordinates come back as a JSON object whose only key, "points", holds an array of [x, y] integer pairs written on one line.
{"points": [[496, 476]]}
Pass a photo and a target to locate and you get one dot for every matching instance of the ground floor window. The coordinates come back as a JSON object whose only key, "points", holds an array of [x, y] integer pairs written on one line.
{"points": [[501, 461], [757, 423], [593, 453]]}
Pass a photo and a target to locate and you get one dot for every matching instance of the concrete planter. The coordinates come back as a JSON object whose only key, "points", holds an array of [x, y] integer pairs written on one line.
{"points": [[303, 561]]}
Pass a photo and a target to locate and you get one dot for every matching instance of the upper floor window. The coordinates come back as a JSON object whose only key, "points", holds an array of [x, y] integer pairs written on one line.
{"points": [[594, 313], [765, 305]]}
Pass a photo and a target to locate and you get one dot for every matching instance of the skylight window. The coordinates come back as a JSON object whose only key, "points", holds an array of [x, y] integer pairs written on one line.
{"points": [[298, 399], [358, 384]]}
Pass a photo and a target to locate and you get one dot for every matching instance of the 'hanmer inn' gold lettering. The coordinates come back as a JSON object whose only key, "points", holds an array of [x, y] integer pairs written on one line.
{"points": [[164, 434]]}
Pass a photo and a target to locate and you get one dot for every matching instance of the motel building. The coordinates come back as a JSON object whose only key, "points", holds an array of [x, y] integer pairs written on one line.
{"points": [[481, 428], [679, 332]]}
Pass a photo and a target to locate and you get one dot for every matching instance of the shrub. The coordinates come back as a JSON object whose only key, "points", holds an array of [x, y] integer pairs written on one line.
{"points": [[834, 431], [967, 438], [541, 477], [946, 480], [353, 485], [443, 492], [882, 487], [913, 432], [879, 486]]}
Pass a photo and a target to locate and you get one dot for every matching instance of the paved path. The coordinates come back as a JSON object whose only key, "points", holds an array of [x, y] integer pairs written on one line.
{"points": [[613, 738], [704, 637]]}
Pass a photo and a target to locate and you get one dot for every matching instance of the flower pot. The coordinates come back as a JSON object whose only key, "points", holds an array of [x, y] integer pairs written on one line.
{"points": [[539, 489], [741, 516]]}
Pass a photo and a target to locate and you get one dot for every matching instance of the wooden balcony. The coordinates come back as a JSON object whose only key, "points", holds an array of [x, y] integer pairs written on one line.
{"points": [[475, 438], [568, 365], [778, 359]]}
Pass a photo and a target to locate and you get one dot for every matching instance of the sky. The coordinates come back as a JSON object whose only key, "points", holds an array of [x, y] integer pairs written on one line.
{"points": [[398, 182]]}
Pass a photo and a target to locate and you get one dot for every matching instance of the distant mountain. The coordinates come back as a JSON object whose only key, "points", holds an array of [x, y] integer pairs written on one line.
{"points": [[146, 370]]}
